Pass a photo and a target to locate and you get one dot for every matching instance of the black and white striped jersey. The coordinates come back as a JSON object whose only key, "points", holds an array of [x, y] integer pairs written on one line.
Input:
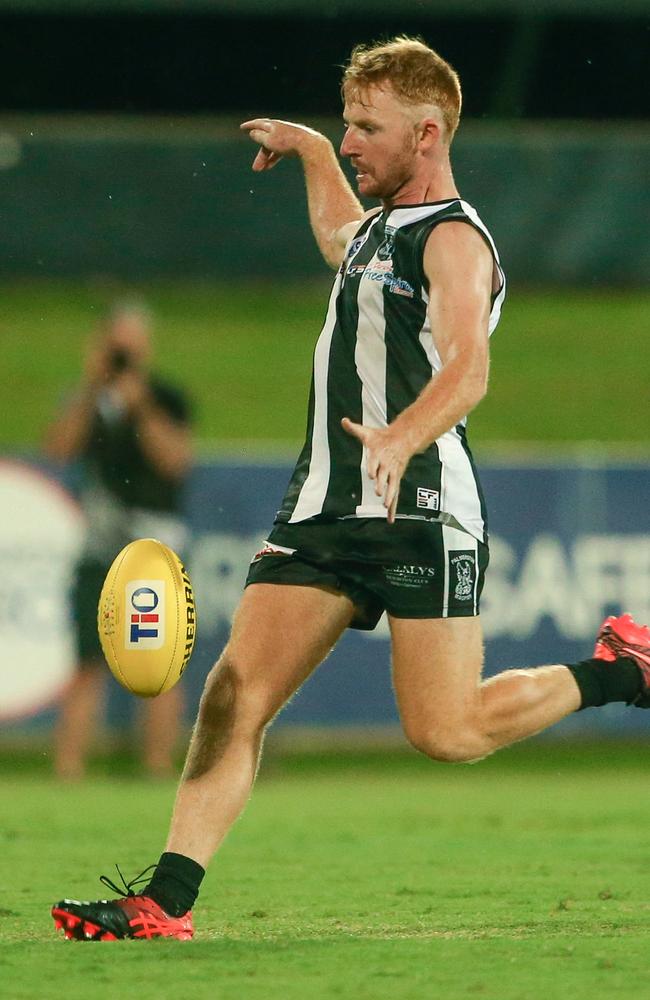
{"points": [[374, 356]]}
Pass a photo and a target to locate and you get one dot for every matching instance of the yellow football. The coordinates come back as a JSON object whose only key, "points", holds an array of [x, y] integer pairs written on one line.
{"points": [[146, 618]]}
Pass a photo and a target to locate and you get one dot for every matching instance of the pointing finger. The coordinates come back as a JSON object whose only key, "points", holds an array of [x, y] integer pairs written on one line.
{"points": [[391, 491], [256, 123], [392, 506]]}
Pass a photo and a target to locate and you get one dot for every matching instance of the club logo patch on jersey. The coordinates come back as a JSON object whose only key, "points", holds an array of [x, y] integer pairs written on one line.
{"points": [[385, 251], [356, 245], [144, 624], [462, 574]]}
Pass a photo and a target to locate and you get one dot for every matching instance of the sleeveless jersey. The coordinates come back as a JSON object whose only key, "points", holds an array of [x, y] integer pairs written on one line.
{"points": [[374, 356]]}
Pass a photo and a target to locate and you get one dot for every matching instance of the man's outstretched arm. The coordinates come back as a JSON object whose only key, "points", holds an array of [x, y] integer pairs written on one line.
{"points": [[332, 203]]}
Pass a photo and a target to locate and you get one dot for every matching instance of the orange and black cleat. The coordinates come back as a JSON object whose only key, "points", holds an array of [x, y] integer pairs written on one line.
{"points": [[622, 637], [132, 916]]}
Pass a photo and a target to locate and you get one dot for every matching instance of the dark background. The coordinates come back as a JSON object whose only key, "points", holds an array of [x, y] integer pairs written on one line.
{"points": [[592, 67], [120, 141]]}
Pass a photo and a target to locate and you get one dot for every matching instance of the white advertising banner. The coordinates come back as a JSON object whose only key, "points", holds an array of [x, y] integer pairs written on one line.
{"points": [[41, 530]]}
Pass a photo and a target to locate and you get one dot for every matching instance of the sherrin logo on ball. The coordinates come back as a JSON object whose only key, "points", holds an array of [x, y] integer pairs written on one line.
{"points": [[146, 618]]}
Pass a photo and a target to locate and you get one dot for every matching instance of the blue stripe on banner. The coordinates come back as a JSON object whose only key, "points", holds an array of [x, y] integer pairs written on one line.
{"points": [[569, 545]]}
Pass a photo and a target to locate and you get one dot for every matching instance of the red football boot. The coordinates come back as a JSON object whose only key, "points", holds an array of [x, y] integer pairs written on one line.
{"points": [[622, 637], [113, 919]]}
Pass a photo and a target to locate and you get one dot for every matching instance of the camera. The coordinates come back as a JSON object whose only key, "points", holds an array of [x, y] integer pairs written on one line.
{"points": [[120, 360]]}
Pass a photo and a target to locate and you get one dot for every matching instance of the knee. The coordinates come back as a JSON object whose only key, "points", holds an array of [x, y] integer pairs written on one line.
{"points": [[458, 746], [230, 697]]}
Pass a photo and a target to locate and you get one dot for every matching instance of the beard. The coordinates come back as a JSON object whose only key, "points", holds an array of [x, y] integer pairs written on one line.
{"points": [[388, 183]]}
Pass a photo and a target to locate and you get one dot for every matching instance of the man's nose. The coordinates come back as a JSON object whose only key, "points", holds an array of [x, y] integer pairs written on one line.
{"points": [[347, 144]]}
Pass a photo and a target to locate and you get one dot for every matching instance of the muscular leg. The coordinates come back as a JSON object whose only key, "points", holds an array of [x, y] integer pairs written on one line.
{"points": [[448, 712], [280, 634]]}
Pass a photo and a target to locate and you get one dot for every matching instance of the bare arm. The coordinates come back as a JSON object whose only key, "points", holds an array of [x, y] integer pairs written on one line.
{"points": [[165, 442], [459, 268], [68, 434], [331, 202]]}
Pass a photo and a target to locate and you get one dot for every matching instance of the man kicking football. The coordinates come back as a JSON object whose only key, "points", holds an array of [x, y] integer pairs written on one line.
{"points": [[384, 511]]}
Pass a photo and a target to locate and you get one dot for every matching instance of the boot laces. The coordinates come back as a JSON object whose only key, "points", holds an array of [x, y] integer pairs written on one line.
{"points": [[126, 889]]}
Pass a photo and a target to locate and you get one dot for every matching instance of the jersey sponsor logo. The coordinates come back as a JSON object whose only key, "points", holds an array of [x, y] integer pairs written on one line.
{"points": [[410, 576], [270, 549], [356, 269], [462, 574], [401, 287], [381, 270], [381, 267], [428, 499], [145, 614], [353, 250]]}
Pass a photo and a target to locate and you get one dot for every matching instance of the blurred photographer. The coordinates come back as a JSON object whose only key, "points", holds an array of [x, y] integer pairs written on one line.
{"points": [[130, 430]]}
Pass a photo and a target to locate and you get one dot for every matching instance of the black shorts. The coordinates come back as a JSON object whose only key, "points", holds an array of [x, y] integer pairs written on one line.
{"points": [[86, 589], [411, 569]]}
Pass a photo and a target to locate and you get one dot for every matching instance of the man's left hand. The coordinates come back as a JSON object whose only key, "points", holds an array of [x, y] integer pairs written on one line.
{"points": [[386, 460]]}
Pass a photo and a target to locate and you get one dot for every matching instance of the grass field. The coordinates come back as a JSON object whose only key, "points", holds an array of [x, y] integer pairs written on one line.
{"points": [[567, 366], [362, 877]]}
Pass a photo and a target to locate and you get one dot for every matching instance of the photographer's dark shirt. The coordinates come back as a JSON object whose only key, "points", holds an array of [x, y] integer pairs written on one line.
{"points": [[115, 458]]}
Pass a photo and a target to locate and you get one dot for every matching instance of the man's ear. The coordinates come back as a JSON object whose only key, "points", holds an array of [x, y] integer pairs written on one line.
{"points": [[429, 133]]}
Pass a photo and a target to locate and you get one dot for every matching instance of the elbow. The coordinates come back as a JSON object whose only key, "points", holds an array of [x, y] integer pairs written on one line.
{"points": [[482, 388], [333, 256], [476, 388]]}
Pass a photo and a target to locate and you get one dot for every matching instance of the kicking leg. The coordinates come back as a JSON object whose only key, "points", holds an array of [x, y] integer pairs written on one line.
{"points": [[280, 634], [448, 712]]}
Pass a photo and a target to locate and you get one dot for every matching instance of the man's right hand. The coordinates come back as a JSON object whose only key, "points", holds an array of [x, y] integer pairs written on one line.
{"points": [[332, 203], [97, 362], [278, 138]]}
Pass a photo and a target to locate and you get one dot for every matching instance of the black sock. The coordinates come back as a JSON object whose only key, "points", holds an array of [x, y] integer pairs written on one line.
{"points": [[175, 883], [603, 681]]}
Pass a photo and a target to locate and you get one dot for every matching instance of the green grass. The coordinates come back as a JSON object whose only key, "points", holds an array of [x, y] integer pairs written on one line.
{"points": [[368, 877], [567, 366]]}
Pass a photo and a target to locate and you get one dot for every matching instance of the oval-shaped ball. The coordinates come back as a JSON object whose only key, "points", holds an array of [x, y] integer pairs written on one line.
{"points": [[146, 618]]}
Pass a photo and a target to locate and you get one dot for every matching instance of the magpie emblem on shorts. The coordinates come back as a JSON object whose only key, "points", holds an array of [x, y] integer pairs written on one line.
{"points": [[462, 571]]}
